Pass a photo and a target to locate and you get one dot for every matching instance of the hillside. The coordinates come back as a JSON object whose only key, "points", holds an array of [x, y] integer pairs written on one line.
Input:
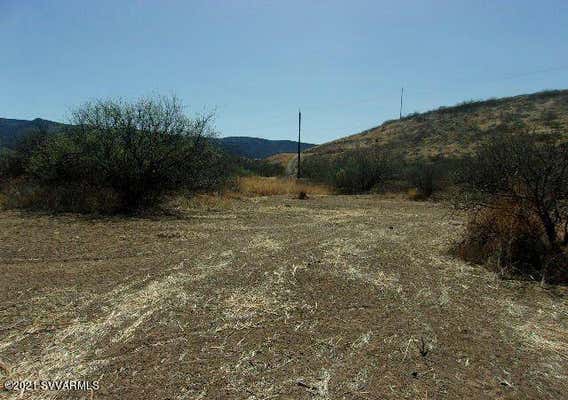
{"points": [[259, 148], [12, 130], [455, 131], [282, 159]]}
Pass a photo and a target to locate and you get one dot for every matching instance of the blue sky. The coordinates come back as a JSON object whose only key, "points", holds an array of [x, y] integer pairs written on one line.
{"points": [[256, 62]]}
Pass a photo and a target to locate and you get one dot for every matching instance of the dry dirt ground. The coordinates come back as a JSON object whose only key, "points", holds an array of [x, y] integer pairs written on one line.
{"points": [[272, 298]]}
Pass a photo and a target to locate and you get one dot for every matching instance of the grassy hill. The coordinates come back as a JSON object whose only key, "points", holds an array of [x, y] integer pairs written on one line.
{"points": [[281, 158], [457, 130], [259, 148]]}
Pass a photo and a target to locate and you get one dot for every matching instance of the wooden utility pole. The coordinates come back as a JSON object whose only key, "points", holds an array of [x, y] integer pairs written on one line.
{"points": [[299, 131], [401, 94]]}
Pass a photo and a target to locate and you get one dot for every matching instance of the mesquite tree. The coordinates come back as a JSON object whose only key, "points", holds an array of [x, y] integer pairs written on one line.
{"points": [[142, 150]]}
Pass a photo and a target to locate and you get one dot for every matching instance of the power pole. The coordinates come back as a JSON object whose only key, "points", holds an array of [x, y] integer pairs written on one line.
{"points": [[401, 94], [299, 131]]}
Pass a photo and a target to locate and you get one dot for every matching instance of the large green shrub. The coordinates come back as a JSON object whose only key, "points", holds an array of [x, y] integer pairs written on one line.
{"points": [[139, 150], [422, 175], [246, 166], [14, 161]]}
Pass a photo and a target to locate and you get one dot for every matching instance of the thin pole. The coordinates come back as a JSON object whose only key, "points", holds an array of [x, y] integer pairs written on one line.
{"points": [[401, 94], [299, 131]]}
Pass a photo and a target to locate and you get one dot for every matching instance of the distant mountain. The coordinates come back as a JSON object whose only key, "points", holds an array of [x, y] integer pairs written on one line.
{"points": [[11, 130], [259, 148]]}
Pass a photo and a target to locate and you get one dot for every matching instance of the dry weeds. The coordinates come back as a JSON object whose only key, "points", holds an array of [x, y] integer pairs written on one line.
{"points": [[272, 298], [261, 186]]}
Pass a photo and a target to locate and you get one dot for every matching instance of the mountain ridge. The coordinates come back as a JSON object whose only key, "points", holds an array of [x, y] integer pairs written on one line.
{"points": [[12, 130]]}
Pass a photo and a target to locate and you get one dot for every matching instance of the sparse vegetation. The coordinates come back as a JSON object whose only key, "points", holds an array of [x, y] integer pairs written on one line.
{"points": [[378, 171], [516, 183], [349, 297], [455, 132], [262, 186], [520, 183], [275, 248], [357, 171], [249, 167], [423, 177], [236, 273]]}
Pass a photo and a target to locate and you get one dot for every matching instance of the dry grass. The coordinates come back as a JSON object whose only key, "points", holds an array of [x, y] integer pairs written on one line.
{"points": [[450, 130], [261, 186], [416, 195], [251, 186], [282, 159], [205, 201], [508, 238], [80, 198], [274, 298]]}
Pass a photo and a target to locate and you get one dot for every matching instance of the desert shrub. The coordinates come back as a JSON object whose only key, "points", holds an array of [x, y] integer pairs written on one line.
{"points": [[551, 119], [469, 106], [74, 197], [546, 94], [526, 180], [247, 166], [422, 176], [10, 165], [356, 171], [138, 151], [504, 237], [319, 169], [14, 161], [432, 175]]}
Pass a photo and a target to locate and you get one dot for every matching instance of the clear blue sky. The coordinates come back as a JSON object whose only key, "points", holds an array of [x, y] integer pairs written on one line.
{"points": [[256, 62]]}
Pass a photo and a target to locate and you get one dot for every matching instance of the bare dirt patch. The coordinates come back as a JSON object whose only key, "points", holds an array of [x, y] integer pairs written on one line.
{"points": [[334, 297]]}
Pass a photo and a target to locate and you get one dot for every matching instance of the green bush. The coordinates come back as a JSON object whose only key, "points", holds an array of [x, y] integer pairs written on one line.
{"points": [[356, 171], [14, 161], [247, 166], [138, 151], [423, 177]]}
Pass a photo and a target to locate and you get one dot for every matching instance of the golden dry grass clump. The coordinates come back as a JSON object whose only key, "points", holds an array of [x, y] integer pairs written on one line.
{"points": [[416, 195], [261, 186]]}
